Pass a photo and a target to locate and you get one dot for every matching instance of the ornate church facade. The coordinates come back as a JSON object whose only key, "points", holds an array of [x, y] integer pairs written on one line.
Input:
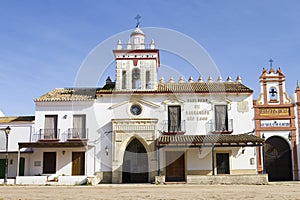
{"points": [[277, 121]]}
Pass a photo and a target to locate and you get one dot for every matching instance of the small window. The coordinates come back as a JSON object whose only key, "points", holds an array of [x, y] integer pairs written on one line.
{"points": [[273, 94], [136, 109]]}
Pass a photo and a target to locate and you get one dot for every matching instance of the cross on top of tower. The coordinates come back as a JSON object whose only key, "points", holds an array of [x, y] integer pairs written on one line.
{"points": [[271, 62], [138, 17]]}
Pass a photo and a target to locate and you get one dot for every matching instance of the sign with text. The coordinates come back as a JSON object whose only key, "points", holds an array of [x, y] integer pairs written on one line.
{"points": [[275, 123], [275, 111]]}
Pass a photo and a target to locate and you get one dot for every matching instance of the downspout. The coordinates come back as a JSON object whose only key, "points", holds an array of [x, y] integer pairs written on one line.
{"points": [[18, 161], [158, 161]]}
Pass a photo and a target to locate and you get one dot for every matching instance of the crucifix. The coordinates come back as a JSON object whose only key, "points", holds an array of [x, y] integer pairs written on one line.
{"points": [[273, 92], [271, 62], [138, 17]]}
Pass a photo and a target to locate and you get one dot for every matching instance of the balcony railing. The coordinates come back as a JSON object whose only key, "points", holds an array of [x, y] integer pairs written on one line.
{"points": [[135, 46], [173, 128], [77, 133], [48, 134], [219, 128]]}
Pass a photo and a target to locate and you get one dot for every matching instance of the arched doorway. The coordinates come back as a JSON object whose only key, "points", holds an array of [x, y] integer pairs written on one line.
{"points": [[135, 163], [278, 162]]}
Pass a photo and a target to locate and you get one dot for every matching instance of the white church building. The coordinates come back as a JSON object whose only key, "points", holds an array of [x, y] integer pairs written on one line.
{"points": [[141, 129]]}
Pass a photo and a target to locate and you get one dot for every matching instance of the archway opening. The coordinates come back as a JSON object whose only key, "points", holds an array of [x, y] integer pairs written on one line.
{"points": [[278, 161], [135, 163]]}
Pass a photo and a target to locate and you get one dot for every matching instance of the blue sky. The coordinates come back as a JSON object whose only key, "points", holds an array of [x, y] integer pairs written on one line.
{"points": [[43, 43]]}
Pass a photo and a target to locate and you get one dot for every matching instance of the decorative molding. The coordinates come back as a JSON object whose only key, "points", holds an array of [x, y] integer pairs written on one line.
{"points": [[287, 98], [118, 104], [139, 100]]}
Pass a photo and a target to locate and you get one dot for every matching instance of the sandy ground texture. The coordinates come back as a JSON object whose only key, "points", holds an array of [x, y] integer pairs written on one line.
{"points": [[283, 190]]}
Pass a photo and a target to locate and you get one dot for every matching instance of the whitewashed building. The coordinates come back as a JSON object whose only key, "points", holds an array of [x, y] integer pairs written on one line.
{"points": [[141, 129], [21, 127]]}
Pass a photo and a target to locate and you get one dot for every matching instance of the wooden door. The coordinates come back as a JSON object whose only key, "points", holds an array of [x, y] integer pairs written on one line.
{"points": [[223, 163], [174, 119], [78, 162], [49, 163], [21, 166], [2, 168], [175, 166]]}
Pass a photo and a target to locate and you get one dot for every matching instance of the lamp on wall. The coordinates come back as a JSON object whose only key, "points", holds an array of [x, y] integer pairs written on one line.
{"points": [[243, 150], [200, 150], [263, 136], [290, 136], [63, 152], [106, 150], [65, 116]]}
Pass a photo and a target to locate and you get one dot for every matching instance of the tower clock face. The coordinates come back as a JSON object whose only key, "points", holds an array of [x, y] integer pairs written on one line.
{"points": [[136, 109]]}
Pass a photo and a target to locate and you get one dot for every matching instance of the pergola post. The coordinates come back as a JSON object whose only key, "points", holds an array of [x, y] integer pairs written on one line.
{"points": [[213, 159]]}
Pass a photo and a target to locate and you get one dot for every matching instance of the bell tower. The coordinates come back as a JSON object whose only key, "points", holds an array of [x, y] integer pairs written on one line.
{"points": [[136, 62], [275, 120], [272, 87]]}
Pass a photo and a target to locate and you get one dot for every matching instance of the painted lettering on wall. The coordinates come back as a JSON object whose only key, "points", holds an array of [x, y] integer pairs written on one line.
{"points": [[198, 113]]}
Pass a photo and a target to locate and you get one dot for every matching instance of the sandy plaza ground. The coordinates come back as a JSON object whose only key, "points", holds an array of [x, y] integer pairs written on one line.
{"points": [[283, 190]]}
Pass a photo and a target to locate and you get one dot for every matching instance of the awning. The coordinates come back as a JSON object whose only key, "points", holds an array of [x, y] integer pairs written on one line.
{"points": [[46, 144], [209, 140]]}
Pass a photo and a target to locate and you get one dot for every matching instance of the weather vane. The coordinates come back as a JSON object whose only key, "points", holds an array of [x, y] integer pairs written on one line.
{"points": [[138, 17], [271, 62]]}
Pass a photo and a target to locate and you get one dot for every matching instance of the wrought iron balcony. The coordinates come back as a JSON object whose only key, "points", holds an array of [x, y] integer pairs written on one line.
{"points": [[48, 134], [173, 128], [219, 128], [77, 133]]}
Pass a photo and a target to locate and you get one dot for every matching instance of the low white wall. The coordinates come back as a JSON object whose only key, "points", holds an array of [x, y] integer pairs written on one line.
{"points": [[72, 180], [31, 180], [43, 180], [259, 179]]}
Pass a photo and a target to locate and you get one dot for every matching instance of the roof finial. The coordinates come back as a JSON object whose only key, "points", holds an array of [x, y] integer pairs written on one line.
{"points": [[298, 84], [271, 62], [138, 17]]}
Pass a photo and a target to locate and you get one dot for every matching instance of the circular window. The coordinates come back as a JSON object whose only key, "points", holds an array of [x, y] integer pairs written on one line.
{"points": [[136, 109]]}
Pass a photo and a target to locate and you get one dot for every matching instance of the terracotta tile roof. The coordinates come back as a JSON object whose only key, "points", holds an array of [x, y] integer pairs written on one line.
{"points": [[186, 87], [87, 94], [69, 94], [42, 144], [17, 119], [218, 139], [204, 87]]}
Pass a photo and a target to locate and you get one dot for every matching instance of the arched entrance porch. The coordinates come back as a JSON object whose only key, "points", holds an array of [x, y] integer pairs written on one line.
{"points": [[135, 163], [278, 159]]}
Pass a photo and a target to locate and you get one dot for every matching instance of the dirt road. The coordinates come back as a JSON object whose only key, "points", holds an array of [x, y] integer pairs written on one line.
{"points": [[287, 190]]}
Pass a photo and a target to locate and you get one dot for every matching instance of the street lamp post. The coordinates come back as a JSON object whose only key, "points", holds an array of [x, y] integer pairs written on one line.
{"points": [[7, 131]]}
